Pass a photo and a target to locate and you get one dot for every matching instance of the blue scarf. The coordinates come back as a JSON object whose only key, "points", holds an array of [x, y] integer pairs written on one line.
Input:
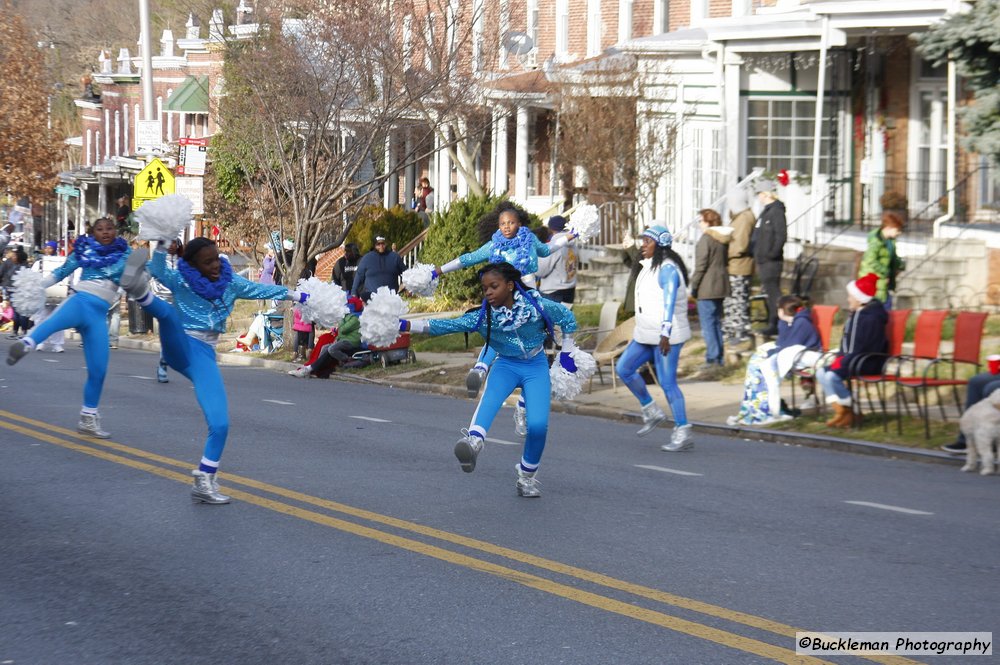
{"points": [[515, 317], [92, 254], [202, 285], [516, 251]]}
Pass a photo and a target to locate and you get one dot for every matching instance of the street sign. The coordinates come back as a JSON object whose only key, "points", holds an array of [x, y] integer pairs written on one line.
{"points": [[148, 136], [193, 189], [154, 181], [67, 190], [193, 153]]}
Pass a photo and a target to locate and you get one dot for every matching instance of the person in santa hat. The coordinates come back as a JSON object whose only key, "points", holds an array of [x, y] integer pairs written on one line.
{"points": [[864, 335]]}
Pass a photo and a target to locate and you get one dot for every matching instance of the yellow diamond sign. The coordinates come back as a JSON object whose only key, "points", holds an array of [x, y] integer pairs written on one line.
{"points": [[154, 181]]}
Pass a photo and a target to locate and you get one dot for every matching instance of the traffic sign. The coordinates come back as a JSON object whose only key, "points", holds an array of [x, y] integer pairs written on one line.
{"points": [[154, 181], [193, 189], [193, 153]]}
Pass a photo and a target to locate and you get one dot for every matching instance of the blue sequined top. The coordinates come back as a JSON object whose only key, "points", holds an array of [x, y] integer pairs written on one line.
{"points": [[486, 253], [518, 332], [111, 272], [196, 312]]}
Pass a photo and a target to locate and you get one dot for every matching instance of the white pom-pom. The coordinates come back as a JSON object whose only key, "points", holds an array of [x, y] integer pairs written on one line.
{"points": [[28, 292], [419, 281], [380, 320], [327, 303], [585, 222], [567, 385], [164, 218]]}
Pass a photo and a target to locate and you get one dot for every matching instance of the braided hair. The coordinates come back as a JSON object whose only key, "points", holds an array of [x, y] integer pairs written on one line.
{"points": [[509, 273]]}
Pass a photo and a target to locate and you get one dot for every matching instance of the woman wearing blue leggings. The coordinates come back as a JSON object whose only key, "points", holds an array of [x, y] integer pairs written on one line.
{"points": [[102, 258], [204, 288], [515, 322], [661, 328]]}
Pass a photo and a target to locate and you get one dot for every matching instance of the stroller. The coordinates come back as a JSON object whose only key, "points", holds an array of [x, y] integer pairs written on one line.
{"points": [[265, 333]]}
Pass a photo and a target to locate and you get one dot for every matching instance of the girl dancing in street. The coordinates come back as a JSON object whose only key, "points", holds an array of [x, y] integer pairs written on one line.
{"points": [[205, 289], [515, 322], [661, 328], [102, 257]]}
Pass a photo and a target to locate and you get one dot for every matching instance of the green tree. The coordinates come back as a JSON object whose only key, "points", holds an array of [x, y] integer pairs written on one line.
{"points": [[397, 225], [972, 40]]}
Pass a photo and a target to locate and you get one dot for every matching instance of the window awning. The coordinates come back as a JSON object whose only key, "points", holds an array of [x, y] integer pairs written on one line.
{"points": [[190, 97]]}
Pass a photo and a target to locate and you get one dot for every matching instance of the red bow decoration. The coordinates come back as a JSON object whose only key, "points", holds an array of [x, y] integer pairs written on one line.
{"points": [[783, 179]]}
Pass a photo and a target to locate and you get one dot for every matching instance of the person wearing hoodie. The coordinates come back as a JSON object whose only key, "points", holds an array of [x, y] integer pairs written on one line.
{"points": [[736, 308], [710, 283], [864, 334], [768, 243], [761, 403], [379, 267], [557, 272], [880, 256]]}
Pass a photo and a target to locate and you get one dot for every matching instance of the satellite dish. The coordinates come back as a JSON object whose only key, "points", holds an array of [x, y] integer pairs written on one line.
{"points": [[518, 43]]}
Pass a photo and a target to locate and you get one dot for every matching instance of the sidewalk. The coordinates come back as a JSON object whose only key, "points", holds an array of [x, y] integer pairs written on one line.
{"points": [[708, 403]]}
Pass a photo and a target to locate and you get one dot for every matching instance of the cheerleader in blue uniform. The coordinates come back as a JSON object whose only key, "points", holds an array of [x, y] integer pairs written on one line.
{"points": [[102, 257], [515, 322], [205, 289]]}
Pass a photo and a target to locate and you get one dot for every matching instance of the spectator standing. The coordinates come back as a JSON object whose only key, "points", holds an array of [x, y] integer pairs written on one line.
{"points": [[880, 257], [346, 267], [379, 267], [557, 272], [303, 336], [424, 200], [45, 265], [768, 243], [22, 321], [736, 308], [864, 333], [710, 283], [267, 267], [123, 214]]}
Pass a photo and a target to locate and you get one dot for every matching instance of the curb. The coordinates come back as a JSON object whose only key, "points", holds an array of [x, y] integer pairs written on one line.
{"points": [[747, 433]]}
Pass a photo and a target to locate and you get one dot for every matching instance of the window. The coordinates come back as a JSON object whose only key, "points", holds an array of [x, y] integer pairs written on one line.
{"points": [[624, 20], [477, 35], [661, 17], [780, 135], [562, 28], [408, 41], [531, 12], [699, 11], [593, 27], [429, 42]]}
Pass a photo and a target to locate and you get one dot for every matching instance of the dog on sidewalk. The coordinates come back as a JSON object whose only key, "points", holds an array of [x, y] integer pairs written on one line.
{"points": [[980, 424]]}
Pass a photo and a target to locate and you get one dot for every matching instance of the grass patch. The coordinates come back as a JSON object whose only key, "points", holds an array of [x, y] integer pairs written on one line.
{"points": [[871, 430]]}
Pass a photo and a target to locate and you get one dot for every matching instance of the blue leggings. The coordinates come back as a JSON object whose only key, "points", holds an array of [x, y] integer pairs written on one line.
{"points": [[195, 360], [635, 356], [89, 315], [532, 376]]}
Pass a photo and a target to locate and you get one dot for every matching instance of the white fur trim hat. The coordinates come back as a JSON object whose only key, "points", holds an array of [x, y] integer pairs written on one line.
{"points": [[863, 288]]}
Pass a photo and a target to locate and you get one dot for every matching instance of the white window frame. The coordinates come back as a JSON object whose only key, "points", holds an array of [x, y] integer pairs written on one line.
{"points": [[593, 27], [408, 41], [661, 16], [775, 162], [624, 20], [923, 188], [477, 35], [562, 29], [531, 20], [699, 11]]}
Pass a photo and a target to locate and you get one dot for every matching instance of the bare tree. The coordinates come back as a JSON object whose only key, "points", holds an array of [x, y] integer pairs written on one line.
{"points": [[31, 152]]}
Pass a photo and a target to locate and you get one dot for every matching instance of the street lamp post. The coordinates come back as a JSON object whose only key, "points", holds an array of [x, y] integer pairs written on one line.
{"points": [[147, 60]]}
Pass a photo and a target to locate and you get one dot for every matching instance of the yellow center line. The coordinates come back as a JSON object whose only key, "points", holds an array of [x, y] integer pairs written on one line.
{"points": [[453, 557]]}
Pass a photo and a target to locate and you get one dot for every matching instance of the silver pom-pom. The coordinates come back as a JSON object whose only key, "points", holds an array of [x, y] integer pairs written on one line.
{"points": [[419, 281], [567, 385], [28, 294], [380, 319], [585, 222], [327, 303], [164, 218]]}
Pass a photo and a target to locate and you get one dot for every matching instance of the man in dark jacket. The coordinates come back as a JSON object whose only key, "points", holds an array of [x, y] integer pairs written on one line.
{"points": [[864, 333], [379, 267], [768, 242], [346, 266]]}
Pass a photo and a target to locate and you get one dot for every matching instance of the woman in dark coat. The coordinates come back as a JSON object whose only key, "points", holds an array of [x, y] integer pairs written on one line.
{"points": [[710, 282]]}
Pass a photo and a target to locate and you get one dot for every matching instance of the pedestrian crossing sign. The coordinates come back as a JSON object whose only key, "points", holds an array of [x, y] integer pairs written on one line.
{"points": [[154, 181]]}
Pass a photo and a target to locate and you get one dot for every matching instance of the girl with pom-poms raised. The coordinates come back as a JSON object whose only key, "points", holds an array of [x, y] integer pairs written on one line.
{"points": [[102, 257], [515, 322]]}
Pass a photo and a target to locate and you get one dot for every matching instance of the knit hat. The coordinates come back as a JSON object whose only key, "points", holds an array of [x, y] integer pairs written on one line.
{"points": [[53, 244], [768, 186], [557, 222], [660, 235], [736, 201], [863, 288], [355, 304]]}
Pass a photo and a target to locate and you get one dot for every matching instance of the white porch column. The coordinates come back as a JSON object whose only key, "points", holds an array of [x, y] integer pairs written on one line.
{"points": [[521, 156], [442, 192], [391, 187], [410, 178], [733, 119], [102, 198], [499, 173]]}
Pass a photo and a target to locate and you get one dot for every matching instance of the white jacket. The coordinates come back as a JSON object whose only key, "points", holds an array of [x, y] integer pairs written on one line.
{"points": [[650, 305]]}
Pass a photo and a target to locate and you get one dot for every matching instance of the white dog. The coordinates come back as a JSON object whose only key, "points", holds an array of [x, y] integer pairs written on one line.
{"points": [[981, 426]]}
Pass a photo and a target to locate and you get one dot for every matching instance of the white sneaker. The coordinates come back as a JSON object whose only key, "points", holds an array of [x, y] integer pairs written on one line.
{"points": [[527, 484], [652, 415], [206, 488], [680, 440], [520, 420], [40, 347], [467, 450], [58, 349], [301, 372]]}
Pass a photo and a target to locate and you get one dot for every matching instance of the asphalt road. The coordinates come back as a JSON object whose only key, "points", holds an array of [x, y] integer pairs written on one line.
{"points": [[354, 537]]}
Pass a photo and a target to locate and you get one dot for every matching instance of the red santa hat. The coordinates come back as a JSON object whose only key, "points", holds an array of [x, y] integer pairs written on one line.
{"points": [[863, 288]]}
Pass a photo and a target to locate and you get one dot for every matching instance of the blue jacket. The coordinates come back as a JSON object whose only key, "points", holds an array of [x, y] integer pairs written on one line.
{"points": [[487, 253], [196, 312], [375, 270], [112, 272], [800, 331], [864, 333]]}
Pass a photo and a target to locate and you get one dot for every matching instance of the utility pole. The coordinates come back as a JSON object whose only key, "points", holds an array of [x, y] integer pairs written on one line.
{"points": [[147, 60]]}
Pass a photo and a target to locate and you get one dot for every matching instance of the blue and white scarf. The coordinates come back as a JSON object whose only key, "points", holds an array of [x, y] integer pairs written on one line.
{"points": [[512, 318], [202, 285], [92, 254], [516, 251]]}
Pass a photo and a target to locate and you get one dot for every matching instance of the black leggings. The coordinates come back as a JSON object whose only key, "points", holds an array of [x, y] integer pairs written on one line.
{"points": [[332, 355]]}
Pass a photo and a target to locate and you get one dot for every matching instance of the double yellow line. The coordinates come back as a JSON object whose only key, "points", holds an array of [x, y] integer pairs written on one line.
{"points": [[141, 460]]}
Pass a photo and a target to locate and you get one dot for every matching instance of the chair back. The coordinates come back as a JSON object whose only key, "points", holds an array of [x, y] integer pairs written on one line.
{"points": [[822, 318], [804, 275], [969, 336], [927, 338], [895, 330], [608, 320], [620, 336]]}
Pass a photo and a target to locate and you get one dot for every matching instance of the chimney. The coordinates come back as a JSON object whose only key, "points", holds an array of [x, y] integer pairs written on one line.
{"points": [[167, 44], [106, 67], [124, 62], [244, 13], [193, 26], [216, 26]]}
